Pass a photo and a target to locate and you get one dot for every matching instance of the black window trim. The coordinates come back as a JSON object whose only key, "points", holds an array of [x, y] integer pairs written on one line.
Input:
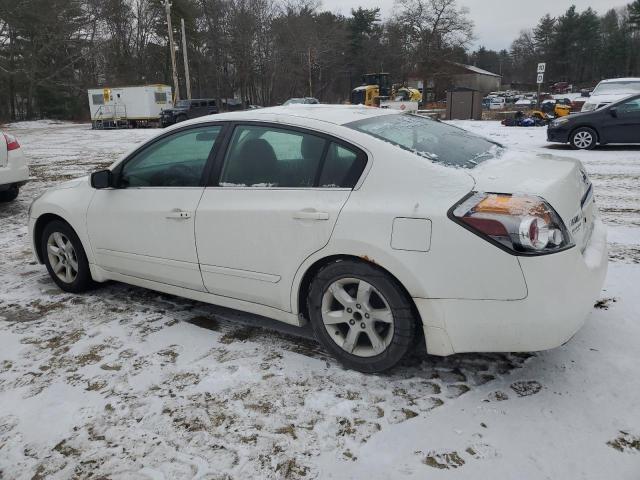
{"points": [[216, 171], [206, 172]]}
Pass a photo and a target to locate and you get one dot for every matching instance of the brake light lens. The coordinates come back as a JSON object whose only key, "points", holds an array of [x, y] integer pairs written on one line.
{"points": [[522, 224], [12, 142]]}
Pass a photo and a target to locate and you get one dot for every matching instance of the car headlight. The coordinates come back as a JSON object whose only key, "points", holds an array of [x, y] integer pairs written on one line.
{"points": [[34, 201], [520, 224], [589, 107], [559, 121]]}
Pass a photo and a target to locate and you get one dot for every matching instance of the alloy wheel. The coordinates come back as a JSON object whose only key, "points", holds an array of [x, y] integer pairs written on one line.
{"points": [[62, 257], [583, 139], [357, 317]]}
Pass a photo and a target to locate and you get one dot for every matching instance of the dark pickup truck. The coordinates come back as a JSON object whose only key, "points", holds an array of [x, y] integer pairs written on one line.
{"points": [[186, 109]]}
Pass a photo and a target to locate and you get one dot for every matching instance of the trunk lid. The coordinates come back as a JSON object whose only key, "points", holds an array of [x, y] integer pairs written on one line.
{"points": [[562, 182]]}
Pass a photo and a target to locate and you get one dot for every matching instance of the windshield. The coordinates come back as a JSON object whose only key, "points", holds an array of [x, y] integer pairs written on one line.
{"points": [[632, 86], [437, 141], [182, 103], [292, 101]]}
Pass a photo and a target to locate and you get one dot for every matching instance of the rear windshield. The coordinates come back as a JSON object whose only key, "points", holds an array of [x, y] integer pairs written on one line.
{"points": [[431, 139]]}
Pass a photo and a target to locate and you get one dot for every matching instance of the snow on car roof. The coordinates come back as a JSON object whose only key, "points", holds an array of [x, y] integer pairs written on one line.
{"points": [[336, 114], [622, 80]]}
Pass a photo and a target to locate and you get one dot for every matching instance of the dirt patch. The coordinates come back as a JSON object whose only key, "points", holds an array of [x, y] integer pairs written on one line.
{"points": [[444, 461], [625, 442], [526, 388], [604, 303]]}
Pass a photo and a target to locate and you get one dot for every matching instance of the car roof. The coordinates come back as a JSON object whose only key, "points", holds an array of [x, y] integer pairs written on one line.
{"points": [[334, 114], [626, 79]]}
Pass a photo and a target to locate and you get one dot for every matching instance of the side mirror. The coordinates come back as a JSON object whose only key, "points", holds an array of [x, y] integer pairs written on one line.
{"points": [[614, 112], [101, 179]]}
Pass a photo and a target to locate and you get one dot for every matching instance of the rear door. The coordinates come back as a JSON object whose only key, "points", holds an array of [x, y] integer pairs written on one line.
{"points": [[624, 126], [275, 199]]}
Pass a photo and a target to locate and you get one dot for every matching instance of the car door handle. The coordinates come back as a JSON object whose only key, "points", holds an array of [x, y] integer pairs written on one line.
{"points": [[310, 214], [177, 214]]}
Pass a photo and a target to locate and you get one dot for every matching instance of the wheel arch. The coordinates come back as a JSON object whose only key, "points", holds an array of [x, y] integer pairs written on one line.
{"points": [[38, 228], [590, 127], [314, 268]]}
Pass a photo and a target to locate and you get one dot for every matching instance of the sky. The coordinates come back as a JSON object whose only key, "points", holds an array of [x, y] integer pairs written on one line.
{"points": [[497, 22]]}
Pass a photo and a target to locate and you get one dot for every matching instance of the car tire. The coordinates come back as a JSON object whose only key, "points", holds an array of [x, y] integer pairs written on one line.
{"points": [[9, 195], [372, 327], [65, 258], [583, 138]]}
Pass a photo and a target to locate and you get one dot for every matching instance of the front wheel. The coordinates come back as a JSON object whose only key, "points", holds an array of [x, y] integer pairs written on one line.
{"points": [[361, 315], [65, 258], [584, 139]]}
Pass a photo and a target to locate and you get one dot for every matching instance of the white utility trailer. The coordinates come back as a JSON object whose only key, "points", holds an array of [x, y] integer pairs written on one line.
{"points": [[126, 107]]}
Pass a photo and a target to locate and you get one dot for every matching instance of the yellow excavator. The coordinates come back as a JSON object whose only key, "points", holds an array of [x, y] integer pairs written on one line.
{"points": [[377, 86]]}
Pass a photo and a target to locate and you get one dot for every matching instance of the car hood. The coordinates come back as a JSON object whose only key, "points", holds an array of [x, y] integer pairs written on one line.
{"points": [[561, 181]]}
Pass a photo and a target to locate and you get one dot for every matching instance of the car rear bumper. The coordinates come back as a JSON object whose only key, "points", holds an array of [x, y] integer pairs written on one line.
{"points": [[16, 173], [562, 289]]}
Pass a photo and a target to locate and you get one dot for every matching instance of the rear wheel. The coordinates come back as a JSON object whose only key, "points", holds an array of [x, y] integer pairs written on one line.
{"points": [[584, 139], [65, 258], [9, 195], [361, 315]]}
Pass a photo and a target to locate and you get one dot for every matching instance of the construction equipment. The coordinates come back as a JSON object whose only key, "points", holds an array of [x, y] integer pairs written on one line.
{"points": [[377, 88]]}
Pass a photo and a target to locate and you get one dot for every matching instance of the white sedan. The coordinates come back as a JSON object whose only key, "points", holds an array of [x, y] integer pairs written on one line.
{"points": [[378, 227], [14, 171]]}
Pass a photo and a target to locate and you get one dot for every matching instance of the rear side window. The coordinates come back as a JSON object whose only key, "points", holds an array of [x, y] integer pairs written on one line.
{"points": [[272, 157], [342, 167]]}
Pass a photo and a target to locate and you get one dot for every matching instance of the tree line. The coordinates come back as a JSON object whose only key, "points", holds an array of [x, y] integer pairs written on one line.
{"points": [[265, 51]]}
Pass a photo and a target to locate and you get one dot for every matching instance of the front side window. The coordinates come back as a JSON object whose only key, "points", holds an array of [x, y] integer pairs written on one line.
{"points": [[272, 157], [174, 161], [97, 99]]}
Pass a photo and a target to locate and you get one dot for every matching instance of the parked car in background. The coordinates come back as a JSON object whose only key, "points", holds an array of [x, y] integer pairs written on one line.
{"points": [[609, 91], [304, 100], [188, 109], [375, 226], [497, 103], [618, 122], [14, 171], [525, 103]]}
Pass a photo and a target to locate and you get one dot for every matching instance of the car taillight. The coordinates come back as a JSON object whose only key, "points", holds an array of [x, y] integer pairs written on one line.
{"points": [[522, 224], [12, 142]]}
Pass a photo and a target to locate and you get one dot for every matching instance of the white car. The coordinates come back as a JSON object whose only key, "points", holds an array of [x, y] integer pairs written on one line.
{"points": [[497, 103], [14, 171], [376, 226], [609, 91]]}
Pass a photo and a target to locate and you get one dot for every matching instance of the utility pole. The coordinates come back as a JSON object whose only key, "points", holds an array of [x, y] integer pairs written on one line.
{"points": [[176, 85], [186, 59], [310, 81]]}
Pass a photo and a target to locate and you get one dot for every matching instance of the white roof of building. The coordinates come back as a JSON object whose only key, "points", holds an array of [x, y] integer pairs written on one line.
{"points": [[474, 69]]}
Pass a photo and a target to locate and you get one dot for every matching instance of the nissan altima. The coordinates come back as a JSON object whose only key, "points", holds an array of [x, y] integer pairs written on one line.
{"points": [[380, 228]]}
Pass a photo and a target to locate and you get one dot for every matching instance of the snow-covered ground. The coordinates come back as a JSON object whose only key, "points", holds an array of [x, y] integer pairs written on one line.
{"points": [[125, 383]]}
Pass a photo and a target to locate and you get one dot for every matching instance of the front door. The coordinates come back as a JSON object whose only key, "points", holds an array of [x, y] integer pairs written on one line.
{"points": [[145, 228], [278, 197], [624, 125]]}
